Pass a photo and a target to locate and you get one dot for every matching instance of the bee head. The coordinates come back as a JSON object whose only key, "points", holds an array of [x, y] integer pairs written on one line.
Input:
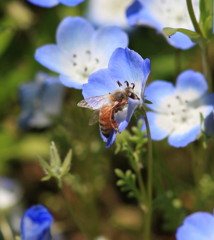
{"points": [[130, 91]]}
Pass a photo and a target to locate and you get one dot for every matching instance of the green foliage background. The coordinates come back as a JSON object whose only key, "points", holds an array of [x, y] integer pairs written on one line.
{"points": [[184, 178]]}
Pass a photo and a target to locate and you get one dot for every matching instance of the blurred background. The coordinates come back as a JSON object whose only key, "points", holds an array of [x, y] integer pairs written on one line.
{"points": [[102, 208]]}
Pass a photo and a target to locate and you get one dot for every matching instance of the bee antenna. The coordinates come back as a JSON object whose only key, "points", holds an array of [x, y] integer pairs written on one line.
{"points": [[119, 83], [133, 85], [127, 83]]}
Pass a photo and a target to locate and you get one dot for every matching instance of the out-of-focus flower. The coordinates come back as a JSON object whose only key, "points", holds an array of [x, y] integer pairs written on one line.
{"points": [[40, 100], [36, 223], [119, 88], [209, 124], [177, 110], [105, 12], [80, 50], [52, 3], [197, 226], [10, 193], [164, 13]]}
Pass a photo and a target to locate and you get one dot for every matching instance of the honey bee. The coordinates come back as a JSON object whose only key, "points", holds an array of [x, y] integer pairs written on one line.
{"points": [[106, 106]]}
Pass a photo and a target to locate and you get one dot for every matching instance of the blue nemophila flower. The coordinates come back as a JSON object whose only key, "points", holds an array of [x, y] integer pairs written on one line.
{"points": [[52, 3], [164, 13], [40, 100], [105, 12], [116, 91], [209, 124], [36, 223], [10, 193], [177, 110], [80, 50], [197, 226]]}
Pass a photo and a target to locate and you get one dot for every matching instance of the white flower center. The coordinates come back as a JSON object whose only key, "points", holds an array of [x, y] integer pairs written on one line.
{"points": [[182, 111], [84, 63]]}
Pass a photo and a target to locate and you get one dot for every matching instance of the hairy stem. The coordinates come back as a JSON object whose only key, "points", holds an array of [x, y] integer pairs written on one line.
{"points": [[149, 180]]}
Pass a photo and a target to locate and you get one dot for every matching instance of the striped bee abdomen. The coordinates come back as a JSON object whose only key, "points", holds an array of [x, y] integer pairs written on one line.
{"points": [[106, 120]]}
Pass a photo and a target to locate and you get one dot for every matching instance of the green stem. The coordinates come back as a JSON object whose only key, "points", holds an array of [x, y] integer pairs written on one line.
{"points": [[203, 44], [177, 62], [142, 189], [5, 229], [206, 64], [149, 181], [72, 215], [192, 16]]}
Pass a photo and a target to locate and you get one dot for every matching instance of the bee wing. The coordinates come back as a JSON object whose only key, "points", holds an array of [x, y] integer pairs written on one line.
{"points": [[94, 103], [94, 117]]}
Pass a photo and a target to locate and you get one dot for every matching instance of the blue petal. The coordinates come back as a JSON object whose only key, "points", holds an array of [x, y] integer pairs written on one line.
{"points": [[157, 90], [36, 223], [126, 64], [180, 40], [190, 79], [157, 133], [198, 226], [110, 140], [209, 124], [138, 14], [207, 99], [52, 97], [182, 140], [99, 83], [71, 3], [132, 105], [106, 40], [74, 34], [44, 3], [51, 57], [27, 94], [69, 82]]}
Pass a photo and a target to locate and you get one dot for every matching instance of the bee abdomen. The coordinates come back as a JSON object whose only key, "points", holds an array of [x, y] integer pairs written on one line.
{"points": [[106, 129]]}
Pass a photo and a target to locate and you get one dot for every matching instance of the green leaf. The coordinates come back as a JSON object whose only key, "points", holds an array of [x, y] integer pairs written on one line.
{"points": [[147, 101], [120, 183], [67, 163], [119, 173], [43, 163], [54, 156], [46, 178], [128, 173], [6, 36], [206, 17], [194, 36]]}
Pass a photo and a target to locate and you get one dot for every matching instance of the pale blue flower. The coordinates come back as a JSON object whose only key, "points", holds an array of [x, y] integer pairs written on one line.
{"points": [[209, 124], [36, 223], [124, 65], [164, 13], [106, 12], [10, 193], [52, 3], [197, 226], [177, 110], [80, 50], [40, 100]]}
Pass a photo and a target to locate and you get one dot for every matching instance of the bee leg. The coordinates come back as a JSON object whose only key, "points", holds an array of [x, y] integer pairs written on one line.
{"points": [[114, 125]]}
